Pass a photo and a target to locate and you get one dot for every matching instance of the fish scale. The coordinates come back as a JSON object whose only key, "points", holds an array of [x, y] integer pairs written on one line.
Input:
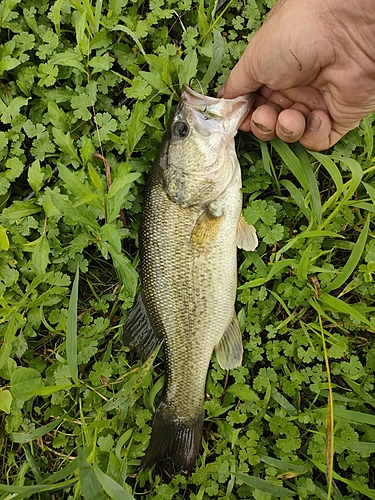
{"points": [[190, 230]]}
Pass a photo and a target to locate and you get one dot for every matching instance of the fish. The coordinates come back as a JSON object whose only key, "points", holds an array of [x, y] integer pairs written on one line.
{"points": [[191, 226]]}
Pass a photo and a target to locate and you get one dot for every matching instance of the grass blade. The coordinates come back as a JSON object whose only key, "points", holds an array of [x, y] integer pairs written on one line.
{"points": [[111, 487], [311, 179], [26, 437], [297, 196], [71, 333], [353, 484], [292, 162], [90, 485], [355, 416], [266, 487], [343, 307], [352, 262]]}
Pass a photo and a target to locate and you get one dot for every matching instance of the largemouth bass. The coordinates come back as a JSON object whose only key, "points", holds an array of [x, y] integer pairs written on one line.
{"points": [[190, 229]]}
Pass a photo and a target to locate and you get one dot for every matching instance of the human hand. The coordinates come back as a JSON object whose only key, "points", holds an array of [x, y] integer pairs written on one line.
{"points": [[312, 66]]}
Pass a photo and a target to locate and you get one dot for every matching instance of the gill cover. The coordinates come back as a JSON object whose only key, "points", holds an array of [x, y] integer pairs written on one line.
{"points": [[200, 158]]}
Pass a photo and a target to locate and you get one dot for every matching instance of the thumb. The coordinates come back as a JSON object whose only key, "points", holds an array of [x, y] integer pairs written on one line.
{"points": [[242, 79]]}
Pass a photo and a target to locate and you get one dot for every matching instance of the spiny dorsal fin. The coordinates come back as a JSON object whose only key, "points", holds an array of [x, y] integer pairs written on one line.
{"points": [[229, 350], [138, 333], [205, 230], [246, 235]]}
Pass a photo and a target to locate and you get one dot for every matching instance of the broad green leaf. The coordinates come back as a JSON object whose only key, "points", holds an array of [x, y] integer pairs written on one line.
{"points": [[19, 210], [80, 190], [9, 336], [6, 8], [4, 241], [23, 381], [27, 437], [128, 275], [117, 194], [81, 215], [64, 141], [71, 333], [111, 487], [35, 176], [96, 179], [8, 63], [136, 127], [80, 27], [40, 255], [110, 234], [188, 68], [202, 19], [56, 14], [265, 486], [217, 56], [5, 400], [243, 391], [68, 58], [58, 117]]}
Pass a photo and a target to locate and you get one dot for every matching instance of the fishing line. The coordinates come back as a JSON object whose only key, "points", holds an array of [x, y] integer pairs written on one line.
{"points": [[202, 92]]}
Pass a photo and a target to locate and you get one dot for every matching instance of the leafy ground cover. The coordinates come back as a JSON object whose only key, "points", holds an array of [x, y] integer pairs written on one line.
{"points": [[297, 419]]}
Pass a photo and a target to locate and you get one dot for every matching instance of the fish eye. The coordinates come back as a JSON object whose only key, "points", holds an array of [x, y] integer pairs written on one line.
{"points": [[181, 129]]}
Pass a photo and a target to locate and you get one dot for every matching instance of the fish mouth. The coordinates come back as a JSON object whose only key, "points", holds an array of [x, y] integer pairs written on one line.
{"points": [[231, 112]]}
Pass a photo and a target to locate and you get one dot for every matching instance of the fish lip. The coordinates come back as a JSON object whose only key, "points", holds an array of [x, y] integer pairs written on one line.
{"points": [[231, 111]]}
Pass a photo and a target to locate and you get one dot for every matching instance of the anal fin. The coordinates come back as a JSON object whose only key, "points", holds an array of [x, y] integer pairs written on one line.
{"points": [[138, 333], [229, 350], [246, 235]]}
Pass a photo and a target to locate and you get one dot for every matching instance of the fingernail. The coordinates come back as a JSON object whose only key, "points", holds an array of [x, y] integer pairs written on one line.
{"points": [[262, 128], [221, 91], [284, 130], [314, 122]]}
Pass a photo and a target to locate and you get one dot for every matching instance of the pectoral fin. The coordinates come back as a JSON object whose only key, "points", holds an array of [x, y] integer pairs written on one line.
{"points": [[229, 350], [138, 333], [205, 230], [246, 235]]}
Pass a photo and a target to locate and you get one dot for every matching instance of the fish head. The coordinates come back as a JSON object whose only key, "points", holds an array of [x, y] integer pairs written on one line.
{"points": [[199, 159]]}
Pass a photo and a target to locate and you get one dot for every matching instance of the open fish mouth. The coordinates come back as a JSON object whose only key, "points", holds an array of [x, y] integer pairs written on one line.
{"points": [[229, 112]]}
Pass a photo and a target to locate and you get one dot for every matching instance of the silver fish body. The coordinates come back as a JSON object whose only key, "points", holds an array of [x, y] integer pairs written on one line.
{"points": [[191, 227]]}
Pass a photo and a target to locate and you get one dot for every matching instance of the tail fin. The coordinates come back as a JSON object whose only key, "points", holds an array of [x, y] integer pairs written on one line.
{"points": [[176, 438]]}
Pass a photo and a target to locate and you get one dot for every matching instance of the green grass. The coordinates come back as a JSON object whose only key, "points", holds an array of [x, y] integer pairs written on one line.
{"points": [[296, 419]]}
